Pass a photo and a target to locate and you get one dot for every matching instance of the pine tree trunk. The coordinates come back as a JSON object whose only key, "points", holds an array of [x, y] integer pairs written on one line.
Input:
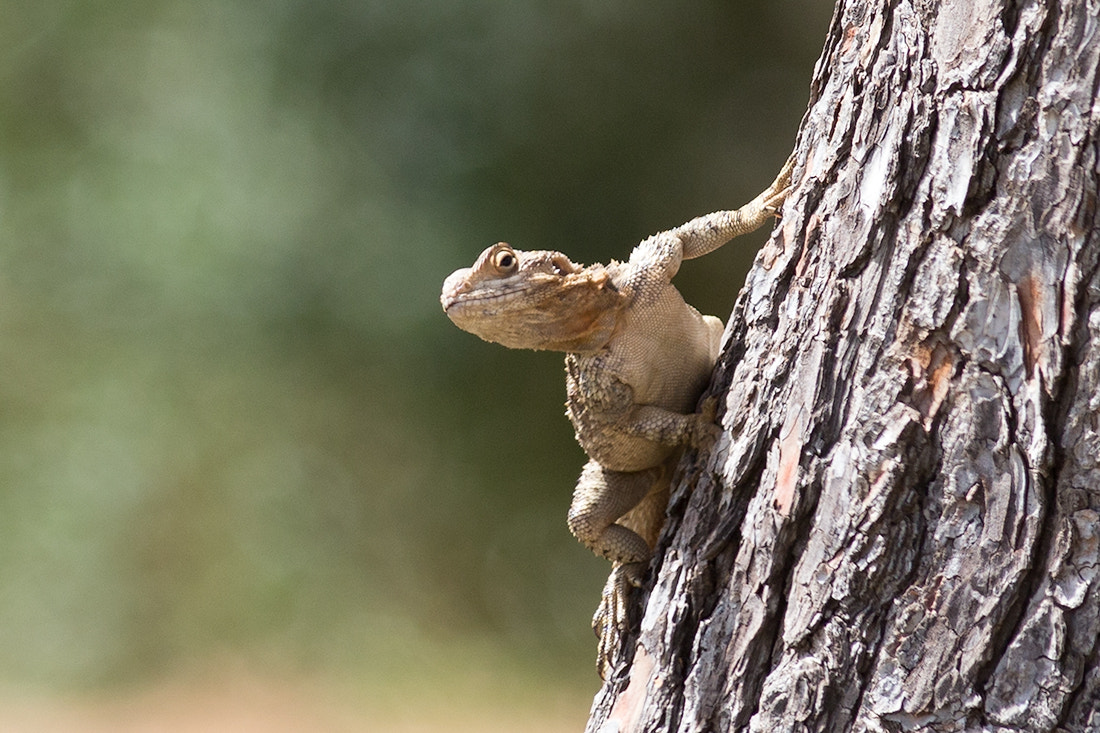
{"points": [[900, 529]]}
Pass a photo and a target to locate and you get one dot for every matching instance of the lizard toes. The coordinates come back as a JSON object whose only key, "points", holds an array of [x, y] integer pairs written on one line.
{"points": [[783, 180], [705, 432], [611, 621], [781, 186]]}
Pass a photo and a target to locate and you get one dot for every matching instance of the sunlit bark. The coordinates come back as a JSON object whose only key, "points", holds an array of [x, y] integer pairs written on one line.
{"points": [[900, 529]]}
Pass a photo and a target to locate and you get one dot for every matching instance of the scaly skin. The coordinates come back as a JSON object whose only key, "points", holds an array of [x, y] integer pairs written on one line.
{"points": [[637, 359]]}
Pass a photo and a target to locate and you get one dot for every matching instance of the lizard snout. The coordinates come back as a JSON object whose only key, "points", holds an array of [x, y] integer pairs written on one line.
{"points": [[454, 286]]}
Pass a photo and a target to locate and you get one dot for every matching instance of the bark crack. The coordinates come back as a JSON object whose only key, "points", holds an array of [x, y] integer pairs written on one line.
{"points": [[930, 485]]}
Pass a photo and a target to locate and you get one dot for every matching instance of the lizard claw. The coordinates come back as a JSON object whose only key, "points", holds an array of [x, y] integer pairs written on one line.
{"points": [[777, 192], [611, 622], [705, 432]]}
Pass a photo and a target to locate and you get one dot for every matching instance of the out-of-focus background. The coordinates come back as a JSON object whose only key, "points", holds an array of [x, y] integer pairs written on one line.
{"points": [[251, 478]]}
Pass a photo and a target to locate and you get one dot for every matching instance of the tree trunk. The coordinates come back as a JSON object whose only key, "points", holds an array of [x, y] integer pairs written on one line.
{"points": [[900, 529]]}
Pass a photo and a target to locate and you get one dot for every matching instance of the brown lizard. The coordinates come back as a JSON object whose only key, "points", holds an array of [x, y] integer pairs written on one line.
{"points": [[637, 360]]}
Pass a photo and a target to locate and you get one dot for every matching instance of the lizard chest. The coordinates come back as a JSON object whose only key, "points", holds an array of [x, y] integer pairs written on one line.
{"points": [[599, 403], [595, 392]]}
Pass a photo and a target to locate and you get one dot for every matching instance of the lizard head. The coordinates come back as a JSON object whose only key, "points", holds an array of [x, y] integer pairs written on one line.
{"points": [[533, 300]]}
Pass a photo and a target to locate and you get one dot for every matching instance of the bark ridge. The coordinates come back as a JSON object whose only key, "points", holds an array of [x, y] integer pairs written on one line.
{"points": [[900, 528]]}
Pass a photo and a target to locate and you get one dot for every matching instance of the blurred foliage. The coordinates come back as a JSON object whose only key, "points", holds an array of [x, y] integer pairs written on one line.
{"points": [[233, 415]]}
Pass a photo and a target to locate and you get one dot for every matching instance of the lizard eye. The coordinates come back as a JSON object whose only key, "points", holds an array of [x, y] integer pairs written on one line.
{"points": [[505, 260]]}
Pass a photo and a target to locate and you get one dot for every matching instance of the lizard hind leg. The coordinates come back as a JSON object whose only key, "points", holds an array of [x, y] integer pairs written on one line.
{"points": [[612, 621], [602, 497]]}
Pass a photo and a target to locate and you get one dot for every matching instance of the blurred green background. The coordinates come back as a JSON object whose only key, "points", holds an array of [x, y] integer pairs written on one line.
{"points": [[234, 418]]}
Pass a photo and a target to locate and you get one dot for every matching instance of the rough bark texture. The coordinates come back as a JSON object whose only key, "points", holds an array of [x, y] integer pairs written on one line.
{"points": [[900, 529]]}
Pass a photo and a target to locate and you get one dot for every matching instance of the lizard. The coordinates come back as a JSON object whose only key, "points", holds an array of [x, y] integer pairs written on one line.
{"points": [[638, 358]]}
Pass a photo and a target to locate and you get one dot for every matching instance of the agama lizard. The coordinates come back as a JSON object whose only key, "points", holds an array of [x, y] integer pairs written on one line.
{"points": [[637, 360]]}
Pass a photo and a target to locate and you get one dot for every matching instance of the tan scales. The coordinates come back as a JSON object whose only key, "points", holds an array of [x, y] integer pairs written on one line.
{"points": [[638, 357]]}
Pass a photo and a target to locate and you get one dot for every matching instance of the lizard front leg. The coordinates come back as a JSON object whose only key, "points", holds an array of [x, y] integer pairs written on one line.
{"points": [[705, 234], [665, 427]]}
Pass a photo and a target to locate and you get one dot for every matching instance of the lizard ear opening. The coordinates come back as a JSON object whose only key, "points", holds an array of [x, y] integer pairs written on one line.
{"points": [[561, 264]]}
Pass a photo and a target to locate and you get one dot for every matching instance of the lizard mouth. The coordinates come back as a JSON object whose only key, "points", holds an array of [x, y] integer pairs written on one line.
{"points": [[499, 297], [458, 300], [459, 296]]}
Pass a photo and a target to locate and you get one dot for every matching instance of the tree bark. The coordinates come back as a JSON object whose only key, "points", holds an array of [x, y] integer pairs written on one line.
{"points": [[900, 529]]}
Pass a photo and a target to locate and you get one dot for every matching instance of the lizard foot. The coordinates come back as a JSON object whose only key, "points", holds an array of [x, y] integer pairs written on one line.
{"points": [[776, 193], [705, 432], [611, 622]]}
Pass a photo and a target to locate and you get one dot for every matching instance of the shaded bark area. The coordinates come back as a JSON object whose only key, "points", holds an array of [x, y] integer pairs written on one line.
{"points": [[900, 529]]}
